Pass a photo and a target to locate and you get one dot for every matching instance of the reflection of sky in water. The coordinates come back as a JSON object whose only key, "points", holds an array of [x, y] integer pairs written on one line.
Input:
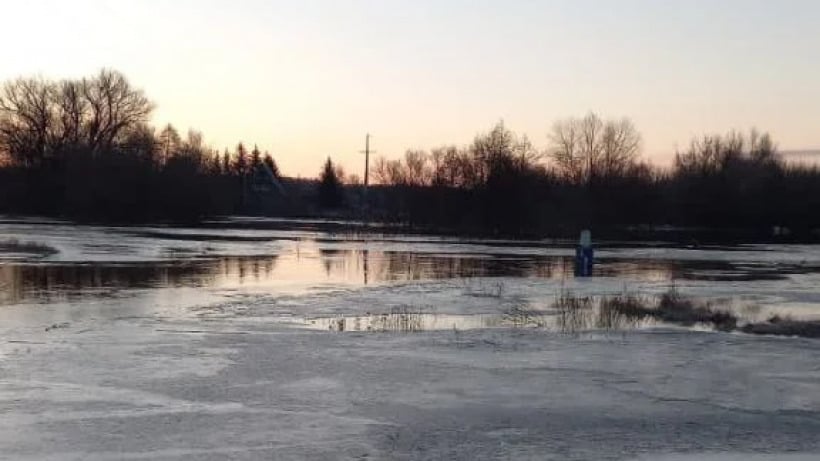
{"points": [[178, 267], [309, 263], [411, 321], [306, 265], [406, 322]]}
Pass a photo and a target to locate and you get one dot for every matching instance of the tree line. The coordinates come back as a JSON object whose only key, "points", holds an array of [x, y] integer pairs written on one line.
{"points": [[591, 175], [84, 148]]}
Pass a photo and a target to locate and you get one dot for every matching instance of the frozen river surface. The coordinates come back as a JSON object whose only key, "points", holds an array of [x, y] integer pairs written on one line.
{"points": [[288, 342]]}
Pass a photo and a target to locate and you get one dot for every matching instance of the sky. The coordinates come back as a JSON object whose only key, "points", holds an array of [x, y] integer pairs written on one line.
{"points": [[308, 79]]}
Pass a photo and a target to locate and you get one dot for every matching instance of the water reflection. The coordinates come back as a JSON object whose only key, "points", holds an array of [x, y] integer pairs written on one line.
{"points": [[365, 266], [309, 264], [377, 266], [45, 283], [590, 317], [405, 321]]}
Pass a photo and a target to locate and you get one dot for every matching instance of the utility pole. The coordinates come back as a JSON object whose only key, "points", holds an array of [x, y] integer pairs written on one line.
{"points": [[366, 153]]}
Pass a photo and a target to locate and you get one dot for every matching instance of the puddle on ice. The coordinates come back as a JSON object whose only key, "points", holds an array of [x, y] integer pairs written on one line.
{"points": [[405, 322], [409, 321]]}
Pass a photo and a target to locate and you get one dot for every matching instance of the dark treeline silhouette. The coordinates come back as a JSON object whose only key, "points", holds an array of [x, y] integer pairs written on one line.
{"points": [[83, 148], [331, 192], [591, 176]]}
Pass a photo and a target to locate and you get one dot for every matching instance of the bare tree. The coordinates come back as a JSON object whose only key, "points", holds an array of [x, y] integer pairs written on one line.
{"points": [[72, 112], [193, 148], [26, 119], [762, 148], [619, 147], [41, 119], [113, 105], [388, 171], [417, 168], [587, 148], [566, 149], [169, 143], [353, 179], [591, 129], [714, 153], [490, 148], [340, 173], [500, 148]]}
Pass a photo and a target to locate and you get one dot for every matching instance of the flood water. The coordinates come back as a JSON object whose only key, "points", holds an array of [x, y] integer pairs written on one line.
{"points": [[57, 263], [69, 263], [261, 339]]}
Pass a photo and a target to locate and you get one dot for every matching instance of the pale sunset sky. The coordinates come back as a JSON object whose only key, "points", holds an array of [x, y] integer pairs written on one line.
{"points": [[307, 79]]}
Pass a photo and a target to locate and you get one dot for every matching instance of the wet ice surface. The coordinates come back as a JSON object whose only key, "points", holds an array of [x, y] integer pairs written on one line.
{"points": [[157, 343]]}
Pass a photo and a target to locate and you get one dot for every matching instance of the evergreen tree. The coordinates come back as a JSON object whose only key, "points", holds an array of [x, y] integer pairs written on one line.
{"points": [[256, 158], [271, 163], [216, 162], [241, 164], [330, 188], [226, 162]]}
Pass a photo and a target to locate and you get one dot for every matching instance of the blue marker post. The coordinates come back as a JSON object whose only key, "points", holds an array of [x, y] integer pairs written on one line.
{"points": [[584, 255]]}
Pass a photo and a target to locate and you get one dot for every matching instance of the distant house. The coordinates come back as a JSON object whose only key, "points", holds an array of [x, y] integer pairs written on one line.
{"points": [[263, 193], [263, 181]]}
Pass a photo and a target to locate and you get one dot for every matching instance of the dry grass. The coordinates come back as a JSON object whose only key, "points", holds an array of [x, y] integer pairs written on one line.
{"points": [[626, 311], [574, 313], [621, 311], [674, 308]]}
